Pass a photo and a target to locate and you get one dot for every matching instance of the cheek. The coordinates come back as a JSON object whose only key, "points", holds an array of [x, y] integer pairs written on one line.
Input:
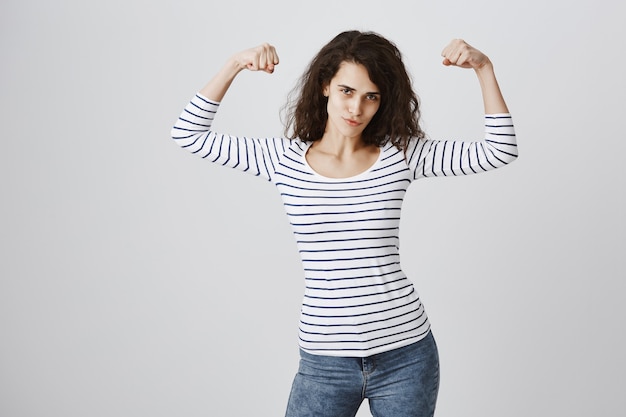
{"points": [[334, 105], [373, 110]]}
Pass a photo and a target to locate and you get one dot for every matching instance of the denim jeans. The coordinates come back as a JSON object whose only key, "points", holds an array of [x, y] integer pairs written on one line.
{"points": [[403, 382]]}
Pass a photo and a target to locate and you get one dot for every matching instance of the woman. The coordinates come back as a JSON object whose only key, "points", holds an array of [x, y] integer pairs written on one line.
{"points": [[353, 146]]}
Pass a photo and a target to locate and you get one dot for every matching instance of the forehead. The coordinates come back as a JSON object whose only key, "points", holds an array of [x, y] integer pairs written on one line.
{"points": [[355, 76]]}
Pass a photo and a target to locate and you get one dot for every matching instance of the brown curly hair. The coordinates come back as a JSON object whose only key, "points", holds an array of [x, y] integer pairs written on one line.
{"points": [[397, 119]]}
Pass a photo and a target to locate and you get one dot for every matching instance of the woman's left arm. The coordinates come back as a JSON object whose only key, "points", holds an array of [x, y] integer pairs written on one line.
{"points": [[434, 158], [460, 54]]}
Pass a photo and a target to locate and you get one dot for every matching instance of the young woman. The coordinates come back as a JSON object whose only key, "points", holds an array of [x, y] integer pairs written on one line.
{"points": [[353, 145]]}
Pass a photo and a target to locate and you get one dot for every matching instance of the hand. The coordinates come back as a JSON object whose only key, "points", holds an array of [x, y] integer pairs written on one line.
{"points": [[459, 53], [260, 58]]}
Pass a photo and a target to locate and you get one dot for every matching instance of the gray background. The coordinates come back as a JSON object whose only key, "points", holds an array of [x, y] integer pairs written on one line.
{"points": [[138, 280]]}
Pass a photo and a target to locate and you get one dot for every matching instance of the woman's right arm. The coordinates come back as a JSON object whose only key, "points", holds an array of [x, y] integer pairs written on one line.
{"points": [[192, 131], [260, 58]]}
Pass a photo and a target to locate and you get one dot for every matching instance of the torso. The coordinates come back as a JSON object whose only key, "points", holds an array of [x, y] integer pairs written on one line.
{"points": [[357, 300]]}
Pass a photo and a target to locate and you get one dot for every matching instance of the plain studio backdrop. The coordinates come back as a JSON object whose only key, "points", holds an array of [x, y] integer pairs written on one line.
{"points": [[139, 280]]}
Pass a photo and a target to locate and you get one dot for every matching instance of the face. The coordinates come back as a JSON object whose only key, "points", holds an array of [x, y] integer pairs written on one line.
{"points": [[353, 100]]}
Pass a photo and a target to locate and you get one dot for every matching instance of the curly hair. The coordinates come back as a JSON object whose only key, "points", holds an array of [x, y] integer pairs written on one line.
{"points": [[397, 119]]}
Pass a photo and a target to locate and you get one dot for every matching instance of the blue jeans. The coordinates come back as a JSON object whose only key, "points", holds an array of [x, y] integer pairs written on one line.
{"points": [[403, 382]]}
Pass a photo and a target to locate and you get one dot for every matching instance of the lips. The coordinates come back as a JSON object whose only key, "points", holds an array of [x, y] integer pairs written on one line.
{"points": [[351, 122]]}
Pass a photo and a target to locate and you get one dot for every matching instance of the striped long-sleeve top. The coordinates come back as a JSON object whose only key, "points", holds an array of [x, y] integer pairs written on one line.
{"points": [[357, 300]]}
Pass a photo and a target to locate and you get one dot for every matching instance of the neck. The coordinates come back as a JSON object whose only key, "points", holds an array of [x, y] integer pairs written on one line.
{"points": [[340, 144]]}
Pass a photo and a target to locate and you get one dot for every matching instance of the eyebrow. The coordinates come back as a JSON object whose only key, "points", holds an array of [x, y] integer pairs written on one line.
{"points": [[353, 89]]}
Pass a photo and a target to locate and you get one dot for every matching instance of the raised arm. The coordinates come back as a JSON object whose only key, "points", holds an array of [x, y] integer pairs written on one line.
{"points": [[460, 54], [433, 158], [260, 58], [192, 131]]}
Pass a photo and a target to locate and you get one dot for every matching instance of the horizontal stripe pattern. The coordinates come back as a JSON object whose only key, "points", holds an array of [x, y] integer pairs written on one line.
{"points": [[434, 158], [357, 300], [255, 156]]}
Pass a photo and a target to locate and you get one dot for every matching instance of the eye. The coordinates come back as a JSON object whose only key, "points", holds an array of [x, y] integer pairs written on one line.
{"points": [[372, 97], [346, 91]]}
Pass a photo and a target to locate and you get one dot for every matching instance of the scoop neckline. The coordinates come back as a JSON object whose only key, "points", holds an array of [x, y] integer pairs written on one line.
{"points": [[338, 179]]}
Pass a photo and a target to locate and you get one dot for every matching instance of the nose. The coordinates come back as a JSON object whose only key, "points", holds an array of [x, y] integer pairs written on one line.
{"points": [[354, 107]]}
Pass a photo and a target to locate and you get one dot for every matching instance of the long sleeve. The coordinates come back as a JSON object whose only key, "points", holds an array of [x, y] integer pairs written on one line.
{"points": [[192, 131], [434, 158]]}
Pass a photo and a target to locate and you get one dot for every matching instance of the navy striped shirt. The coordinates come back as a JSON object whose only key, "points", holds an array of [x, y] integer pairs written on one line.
{"points": [[357, 300]]}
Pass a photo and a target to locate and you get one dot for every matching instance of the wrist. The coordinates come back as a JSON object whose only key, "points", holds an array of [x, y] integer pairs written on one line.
{"points": [[233, 66], [486, 74], [485, 68]]}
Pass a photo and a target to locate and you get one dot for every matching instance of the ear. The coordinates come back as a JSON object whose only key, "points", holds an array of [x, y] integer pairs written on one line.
{"points": [[326, 90]]}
